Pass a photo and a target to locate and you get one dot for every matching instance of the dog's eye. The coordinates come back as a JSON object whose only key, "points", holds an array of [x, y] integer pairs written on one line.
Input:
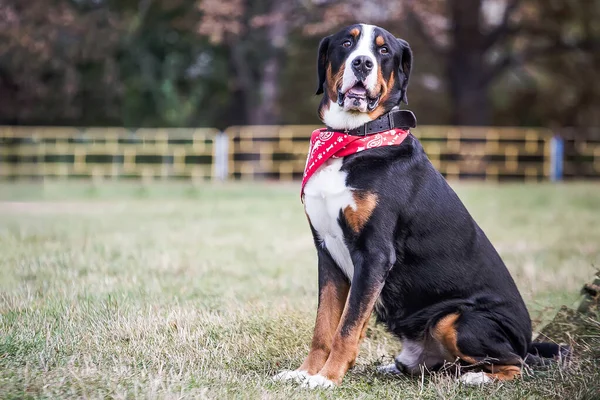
{"points": [[347, 43], [383, 50]]}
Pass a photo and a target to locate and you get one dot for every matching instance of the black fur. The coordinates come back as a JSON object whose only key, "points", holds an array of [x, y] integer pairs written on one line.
{"points": [[442, 262], [405, 62], [420, 244], [322, 63]]}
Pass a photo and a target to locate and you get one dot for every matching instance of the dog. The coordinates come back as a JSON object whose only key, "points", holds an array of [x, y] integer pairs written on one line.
{"points": [[393, 238]]}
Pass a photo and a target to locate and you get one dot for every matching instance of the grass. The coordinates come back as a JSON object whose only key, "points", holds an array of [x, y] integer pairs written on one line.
{"points": [[170, 291]]}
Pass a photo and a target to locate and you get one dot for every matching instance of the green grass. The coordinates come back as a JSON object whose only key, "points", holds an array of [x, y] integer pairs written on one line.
{"points": [[169, 291]]}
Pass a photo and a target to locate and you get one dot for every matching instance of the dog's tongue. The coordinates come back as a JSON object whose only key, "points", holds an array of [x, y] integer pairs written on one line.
{"points": [[358, 91]]}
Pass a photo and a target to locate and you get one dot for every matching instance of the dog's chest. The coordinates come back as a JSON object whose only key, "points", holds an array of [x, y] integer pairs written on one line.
{"points": [[326, 196]]}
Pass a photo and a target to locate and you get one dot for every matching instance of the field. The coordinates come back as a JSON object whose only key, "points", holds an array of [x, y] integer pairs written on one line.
{"points": [[173, 291]]}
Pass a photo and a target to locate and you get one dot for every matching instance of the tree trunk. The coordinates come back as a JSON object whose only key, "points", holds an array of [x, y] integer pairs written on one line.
{"points": [[469, 96], [267, 111], [466, 65], [241, 107]]}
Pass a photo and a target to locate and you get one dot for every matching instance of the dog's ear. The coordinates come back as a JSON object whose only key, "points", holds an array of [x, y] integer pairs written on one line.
{"points": [[405, 68], [322, 63]]}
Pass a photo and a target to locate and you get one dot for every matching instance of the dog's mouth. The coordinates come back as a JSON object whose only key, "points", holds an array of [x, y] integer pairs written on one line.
{"points": [[357, 98]]}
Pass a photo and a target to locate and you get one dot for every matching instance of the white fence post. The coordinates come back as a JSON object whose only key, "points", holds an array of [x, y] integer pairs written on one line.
{"points": [[221, 160]]}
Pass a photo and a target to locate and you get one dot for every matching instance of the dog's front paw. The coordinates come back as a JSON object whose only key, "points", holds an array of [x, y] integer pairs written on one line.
{"points": [[474, 378], [298, 376], [317, 381]]}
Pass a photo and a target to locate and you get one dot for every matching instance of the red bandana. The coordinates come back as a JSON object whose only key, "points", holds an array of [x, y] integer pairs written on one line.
{"points": [[325, 144]]}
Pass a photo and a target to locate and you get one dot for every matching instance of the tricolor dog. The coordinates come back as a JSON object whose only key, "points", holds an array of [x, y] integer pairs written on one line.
{"points": [[393, 238]]}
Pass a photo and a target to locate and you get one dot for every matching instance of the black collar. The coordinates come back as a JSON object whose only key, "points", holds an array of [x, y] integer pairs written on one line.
{"points": [[402, 119]]}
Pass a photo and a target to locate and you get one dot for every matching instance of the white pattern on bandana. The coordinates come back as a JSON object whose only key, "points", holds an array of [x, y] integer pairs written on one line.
{"points": [[339, 145]]}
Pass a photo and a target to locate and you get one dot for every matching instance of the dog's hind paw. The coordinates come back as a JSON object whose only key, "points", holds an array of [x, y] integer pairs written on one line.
{"points": [[390, 369], [317, 381], [474, 378], [298, 376]]}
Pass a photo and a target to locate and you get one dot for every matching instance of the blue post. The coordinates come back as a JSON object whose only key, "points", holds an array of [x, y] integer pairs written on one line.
{"points": [[557, 154]]}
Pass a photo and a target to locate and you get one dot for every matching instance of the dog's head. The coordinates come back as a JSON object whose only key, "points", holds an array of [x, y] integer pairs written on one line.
{"points": [[363, 72]]}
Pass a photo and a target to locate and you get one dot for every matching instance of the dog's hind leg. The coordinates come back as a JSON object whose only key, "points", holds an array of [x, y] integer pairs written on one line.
{"points": [[409, 360], [479, 343], [417, 356]]}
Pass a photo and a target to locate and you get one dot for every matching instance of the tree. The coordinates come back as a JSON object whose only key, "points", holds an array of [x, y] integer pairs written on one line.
{"points": [[225, 62], [54, 58], [481, 40], [255, 35], [258, 35], [171, 77]]}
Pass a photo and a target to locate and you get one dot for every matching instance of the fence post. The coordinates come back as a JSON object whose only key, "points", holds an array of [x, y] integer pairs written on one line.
{"points": [[221, 156], [557, 150]]}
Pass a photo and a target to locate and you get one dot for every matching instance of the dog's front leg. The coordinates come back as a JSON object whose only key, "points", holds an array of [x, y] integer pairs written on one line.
{"points": [[370, 270], [333, 292]]}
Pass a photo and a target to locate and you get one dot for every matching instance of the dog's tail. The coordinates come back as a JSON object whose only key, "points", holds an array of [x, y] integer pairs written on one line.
{"points": [[540, 354]]}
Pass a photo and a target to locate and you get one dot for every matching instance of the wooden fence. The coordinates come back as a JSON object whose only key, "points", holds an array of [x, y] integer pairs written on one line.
{"points": [[581, 153], [480, 153], [279, 152], [107, 153]]}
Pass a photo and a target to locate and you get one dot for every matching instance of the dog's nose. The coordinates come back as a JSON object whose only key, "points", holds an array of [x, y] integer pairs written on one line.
{"points": [[362, 64]]}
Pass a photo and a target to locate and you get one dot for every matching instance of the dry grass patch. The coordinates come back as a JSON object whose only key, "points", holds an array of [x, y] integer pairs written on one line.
{"points": [[206, 292]]}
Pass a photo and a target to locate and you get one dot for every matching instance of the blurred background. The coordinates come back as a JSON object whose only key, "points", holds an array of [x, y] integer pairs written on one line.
{"points": [[178, 88], [228, 64], [217, 63]]}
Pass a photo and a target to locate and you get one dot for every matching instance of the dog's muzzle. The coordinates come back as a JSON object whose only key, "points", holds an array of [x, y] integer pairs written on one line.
{"points": [[357, 98]]}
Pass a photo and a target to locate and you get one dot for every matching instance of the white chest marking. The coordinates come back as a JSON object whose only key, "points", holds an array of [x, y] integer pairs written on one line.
{"points": [[337, 117], [325, 195]]}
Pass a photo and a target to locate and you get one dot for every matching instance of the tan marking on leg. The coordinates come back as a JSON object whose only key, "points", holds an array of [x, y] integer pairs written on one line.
{"points": [[445, 333], [363, 333], [379, 40], [343, 354], [503, 372], [355, 32], [331, 305], [345, 347], [365, 204]]}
